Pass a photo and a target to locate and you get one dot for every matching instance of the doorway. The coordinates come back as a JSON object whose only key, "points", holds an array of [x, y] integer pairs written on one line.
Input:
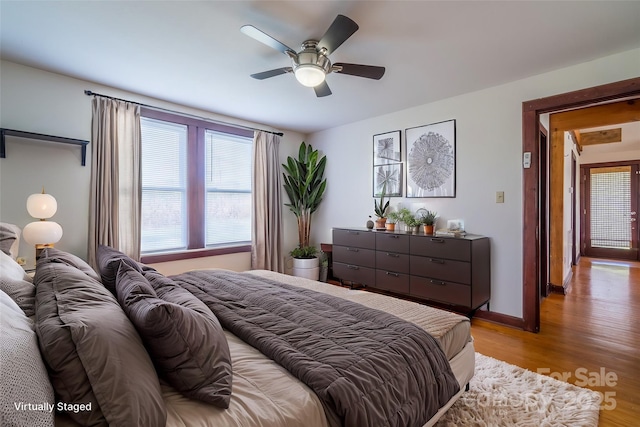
{"points": [[609, 210], [531, 111]]}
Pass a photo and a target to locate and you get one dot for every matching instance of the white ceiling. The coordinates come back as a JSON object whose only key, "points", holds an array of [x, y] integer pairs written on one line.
{"points": [[193, 53]]}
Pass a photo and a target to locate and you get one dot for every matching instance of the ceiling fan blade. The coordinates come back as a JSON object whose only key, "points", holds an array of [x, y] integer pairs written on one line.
{"points": [[368, 71], [272, 73], [340, 30], [265, 38], [322, 90]]}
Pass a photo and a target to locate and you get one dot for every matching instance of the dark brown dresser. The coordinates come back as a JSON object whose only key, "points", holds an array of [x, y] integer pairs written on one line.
{"points": [[448, 270]]}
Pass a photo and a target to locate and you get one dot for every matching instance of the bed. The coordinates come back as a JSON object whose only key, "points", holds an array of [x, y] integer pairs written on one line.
{"points": [[263, 392], [296, 404]]}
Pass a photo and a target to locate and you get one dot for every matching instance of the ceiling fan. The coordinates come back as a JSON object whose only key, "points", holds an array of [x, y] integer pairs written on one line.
{"points": [[311, 64]]}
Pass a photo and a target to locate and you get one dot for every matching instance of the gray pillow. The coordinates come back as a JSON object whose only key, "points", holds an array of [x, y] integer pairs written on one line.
{"points": [[9, 239], [184, 337], [56, 255], [24, 376], [15, 283], [108, 260], [93, 352]]}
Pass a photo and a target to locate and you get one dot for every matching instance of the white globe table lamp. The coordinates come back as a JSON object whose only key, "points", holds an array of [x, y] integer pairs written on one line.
{"points": [[42, 234]]}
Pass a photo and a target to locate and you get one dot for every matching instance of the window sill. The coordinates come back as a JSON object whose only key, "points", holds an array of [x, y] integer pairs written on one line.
{"points": [[193, 253]]}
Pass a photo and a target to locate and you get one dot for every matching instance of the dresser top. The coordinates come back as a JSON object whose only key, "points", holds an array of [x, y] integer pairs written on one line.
{"points": [[468, 236]]}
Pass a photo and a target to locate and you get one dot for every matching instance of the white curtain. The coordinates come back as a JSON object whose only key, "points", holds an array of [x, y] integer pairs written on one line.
{"points": [[115, 202], [266, 230]]}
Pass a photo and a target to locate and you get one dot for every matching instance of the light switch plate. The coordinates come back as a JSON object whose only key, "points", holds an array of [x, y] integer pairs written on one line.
{"points": [[499, 196]]}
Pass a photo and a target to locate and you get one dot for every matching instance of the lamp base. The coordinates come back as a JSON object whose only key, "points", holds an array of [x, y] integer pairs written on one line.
{"points": [[40, 247]]}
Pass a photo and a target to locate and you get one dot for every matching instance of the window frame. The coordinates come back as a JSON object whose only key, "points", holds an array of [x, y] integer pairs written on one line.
{"points": [[195, 187]]}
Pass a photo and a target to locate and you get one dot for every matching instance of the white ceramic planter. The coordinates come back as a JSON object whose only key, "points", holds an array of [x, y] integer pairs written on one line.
{"points": [[308, 268]]}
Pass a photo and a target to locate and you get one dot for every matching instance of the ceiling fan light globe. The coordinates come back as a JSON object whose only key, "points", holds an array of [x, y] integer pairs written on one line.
{"points": [[309, 75]]}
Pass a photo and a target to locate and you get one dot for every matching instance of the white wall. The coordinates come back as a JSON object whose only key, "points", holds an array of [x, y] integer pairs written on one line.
{"points": [[489, 157], [37, 101]]}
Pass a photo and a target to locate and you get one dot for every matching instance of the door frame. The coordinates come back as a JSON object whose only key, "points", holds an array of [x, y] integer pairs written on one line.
{"points": [[574, 211], [545, 285], [531, 111]]}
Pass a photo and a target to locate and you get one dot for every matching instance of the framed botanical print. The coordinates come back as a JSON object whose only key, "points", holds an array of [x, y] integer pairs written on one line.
{"points": [[387, 148], [389, 179], [431, 160]]}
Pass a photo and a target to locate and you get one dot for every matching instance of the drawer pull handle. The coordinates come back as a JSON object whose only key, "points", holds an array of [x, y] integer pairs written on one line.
{"points": [[437, 261], [388, 273], [437, 240], [353, 250], [394, 236], [437, 282], [353, 232], [353, 267], [393, 255]]}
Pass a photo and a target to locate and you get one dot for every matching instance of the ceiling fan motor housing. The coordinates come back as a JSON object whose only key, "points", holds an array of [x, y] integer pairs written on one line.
{"points": [[310, 56]]}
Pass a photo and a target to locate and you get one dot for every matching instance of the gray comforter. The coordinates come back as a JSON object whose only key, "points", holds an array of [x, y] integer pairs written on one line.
{"points": [[368, 368]]}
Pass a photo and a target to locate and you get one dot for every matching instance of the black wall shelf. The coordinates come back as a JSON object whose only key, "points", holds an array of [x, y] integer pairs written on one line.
{"points": [[30, 135]]}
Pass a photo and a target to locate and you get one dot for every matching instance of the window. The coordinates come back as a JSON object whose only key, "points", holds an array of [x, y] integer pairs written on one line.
{"points": [[196, 187]]}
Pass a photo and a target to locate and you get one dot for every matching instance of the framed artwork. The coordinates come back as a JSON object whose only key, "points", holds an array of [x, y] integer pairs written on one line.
{"points": [[386, 148], [431, 160], [388, 177]]}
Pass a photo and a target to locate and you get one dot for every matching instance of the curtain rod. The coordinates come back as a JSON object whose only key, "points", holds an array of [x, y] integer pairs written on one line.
{"points": [[90, 93]]}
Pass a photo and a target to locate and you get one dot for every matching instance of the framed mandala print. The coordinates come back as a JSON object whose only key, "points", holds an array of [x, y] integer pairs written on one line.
{"points": [[386, 148], [431, 160]]}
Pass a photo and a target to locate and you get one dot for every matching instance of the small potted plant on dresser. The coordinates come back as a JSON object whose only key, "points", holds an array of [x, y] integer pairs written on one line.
{"points": [[381, 210], [392, 220], [403, 215], [427, 219], [412, 223]]}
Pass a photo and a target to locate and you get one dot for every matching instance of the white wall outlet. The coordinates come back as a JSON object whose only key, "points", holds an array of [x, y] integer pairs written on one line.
{"points": [[499, 196]]}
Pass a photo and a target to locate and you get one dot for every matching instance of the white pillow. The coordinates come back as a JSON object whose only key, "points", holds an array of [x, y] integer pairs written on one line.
{"points": [[24, 376], [10, 269]]}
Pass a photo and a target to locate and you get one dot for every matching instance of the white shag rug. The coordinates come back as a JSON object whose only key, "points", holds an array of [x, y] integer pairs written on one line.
{"points": [[501, 394]]}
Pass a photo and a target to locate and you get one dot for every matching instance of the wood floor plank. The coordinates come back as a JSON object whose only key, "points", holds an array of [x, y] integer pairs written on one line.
{"points": [[592, 330]]}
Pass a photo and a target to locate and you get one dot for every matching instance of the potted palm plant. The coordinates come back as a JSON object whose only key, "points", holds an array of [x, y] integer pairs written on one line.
{"points": [[305, 185]]}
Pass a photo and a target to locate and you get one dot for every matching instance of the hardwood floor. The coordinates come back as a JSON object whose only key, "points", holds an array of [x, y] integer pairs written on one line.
{"points": [[591, 336]]}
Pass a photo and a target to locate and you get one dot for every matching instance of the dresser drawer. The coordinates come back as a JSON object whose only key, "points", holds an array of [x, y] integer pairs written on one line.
{"points": [[438, 247], [354, 255], [441, 269], [356, 238], [391, 242], [392, 261], [442, 291], [392, 281], [355, 273]]}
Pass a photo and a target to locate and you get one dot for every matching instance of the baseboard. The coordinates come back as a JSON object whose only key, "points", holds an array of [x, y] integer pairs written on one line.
{"points": [[503, 319], [564, 289], [555, 289]]}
